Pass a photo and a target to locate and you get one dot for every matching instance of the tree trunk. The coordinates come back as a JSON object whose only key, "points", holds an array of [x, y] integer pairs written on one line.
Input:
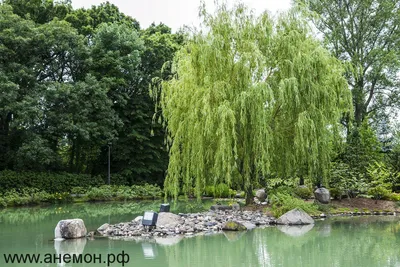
{"points": [[301, 182], [249, 195]]}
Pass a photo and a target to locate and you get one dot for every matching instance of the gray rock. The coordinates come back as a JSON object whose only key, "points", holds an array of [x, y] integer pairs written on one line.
{"points": [[103, 228], [220, 207], [138, 219], [70, 229], [239, 195], [233, 226], [236, 207], [322, 195], [261, 195], [295, 217], [168, 219], [249, 225]]}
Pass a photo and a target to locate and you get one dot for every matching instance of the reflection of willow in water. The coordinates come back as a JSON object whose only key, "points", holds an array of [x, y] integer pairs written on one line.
{"points": [[217, 250], [365, 241], [23, 215], [351, 242]]}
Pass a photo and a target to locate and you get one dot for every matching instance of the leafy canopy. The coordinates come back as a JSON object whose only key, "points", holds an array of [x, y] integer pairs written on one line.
{"points": [[250, 96]]}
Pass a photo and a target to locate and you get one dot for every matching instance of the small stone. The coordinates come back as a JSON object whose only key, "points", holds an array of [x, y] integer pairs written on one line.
{"points": [[233, 226], [138, 219], [236, 207], [261, 195]]}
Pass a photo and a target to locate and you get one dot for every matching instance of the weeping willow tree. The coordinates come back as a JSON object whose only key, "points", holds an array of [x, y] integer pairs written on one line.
{"points": [[250, 96]]}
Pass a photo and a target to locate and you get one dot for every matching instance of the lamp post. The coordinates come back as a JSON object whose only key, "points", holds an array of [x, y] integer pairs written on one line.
{"points": [[109, 162]]}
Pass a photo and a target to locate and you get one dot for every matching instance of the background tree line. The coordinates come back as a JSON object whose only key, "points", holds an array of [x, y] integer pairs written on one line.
{"points": [[75, 80]]}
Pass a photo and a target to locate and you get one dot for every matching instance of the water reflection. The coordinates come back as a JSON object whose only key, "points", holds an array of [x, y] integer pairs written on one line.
{"points": [[233, 236], [168, 241], [149, 250], [295, 230], [338, 242], [69, 246], [365, 241]]}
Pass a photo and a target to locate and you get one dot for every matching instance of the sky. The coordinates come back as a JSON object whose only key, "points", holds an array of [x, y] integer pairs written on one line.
{"points": [[176, 13]]}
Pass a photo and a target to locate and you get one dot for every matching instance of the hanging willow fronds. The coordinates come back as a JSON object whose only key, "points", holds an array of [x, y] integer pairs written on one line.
{"points": [[251, 96]]}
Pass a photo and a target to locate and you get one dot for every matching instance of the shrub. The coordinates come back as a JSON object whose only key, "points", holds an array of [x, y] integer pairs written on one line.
{"points": [[78, 190], [335, 193], [3, 203], [284, 189], [394, 197], [209, 191], [282, 203], [115, 192], [302, 192], [379, 185], [346, 180], [46, 181], [100, 193], [379, 192], [221, 191]]}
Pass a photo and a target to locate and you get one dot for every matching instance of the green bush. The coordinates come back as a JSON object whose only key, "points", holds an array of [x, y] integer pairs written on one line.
{"points": [[78, 190], [348, 181], [104, 192], [121, 192], [335, 193], [380, 177], [209, 191], [3, 203], [394, 197], [284, 189], [221, 191], [302, 192], [46, 181], [379, 192], [282, 203], [28, 196]]}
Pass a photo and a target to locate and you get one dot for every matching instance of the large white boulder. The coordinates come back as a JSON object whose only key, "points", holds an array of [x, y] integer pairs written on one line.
{"points": [[295, 217], [70, 229]]}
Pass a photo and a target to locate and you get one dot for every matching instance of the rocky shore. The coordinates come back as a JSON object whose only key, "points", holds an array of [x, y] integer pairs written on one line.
{"points": [[169, 224]]}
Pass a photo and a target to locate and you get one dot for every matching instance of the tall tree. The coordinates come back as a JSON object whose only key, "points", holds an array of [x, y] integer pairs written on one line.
{"points": [[40, 11], [366, 35], [250, 96], [17, 78], [86, 21]]}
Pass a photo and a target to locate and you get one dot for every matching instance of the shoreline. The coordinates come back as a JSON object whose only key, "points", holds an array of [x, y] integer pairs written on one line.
{"points": [[206, 223]]}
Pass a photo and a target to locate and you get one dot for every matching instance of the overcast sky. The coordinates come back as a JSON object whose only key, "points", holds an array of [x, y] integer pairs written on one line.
{"points": [[176, 13]]}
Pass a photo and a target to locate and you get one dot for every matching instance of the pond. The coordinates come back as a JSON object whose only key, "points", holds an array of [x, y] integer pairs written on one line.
{"points": [[358, 241]]}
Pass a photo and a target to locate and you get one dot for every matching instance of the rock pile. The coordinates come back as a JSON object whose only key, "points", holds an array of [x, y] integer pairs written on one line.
{"points": [[187, 224]]}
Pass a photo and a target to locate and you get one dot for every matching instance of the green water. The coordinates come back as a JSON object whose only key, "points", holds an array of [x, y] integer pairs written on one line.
{"points": [[363, 241]]}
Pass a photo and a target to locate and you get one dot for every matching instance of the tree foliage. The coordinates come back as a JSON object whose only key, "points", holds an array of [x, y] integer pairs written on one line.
{"points": [[250, 96], [73, 81], [366, 35]]}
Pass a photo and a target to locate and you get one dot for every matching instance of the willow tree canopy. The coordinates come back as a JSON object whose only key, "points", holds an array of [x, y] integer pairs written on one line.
{"points": [[250, 96]]}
